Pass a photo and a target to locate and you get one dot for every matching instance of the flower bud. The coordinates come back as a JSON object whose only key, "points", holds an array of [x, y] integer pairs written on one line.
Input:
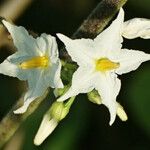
{"points": [[59, 111], [94, 97], [56, 113], [121, 113]]}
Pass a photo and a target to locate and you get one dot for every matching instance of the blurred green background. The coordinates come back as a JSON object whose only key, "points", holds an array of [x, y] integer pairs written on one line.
{"points": [[86, 127]]}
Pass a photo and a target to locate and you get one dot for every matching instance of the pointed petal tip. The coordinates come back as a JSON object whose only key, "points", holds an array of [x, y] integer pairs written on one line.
{"points": [[20, 110], [113, 113], [64, 97], [63, 38], [111, 121], [59, 35], [61, 85], [60, 100], [121, 10], [121, 13], [6, 23], [3, 21]]}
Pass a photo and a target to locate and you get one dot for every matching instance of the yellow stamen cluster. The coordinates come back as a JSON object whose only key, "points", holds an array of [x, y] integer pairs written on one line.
{"points": [[35, 62], [104, 64]]}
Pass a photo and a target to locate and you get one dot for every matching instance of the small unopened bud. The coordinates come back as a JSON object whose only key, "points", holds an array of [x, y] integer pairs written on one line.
{"points": [[59, 111], [46, 128], [121, 113], [94, 97]]}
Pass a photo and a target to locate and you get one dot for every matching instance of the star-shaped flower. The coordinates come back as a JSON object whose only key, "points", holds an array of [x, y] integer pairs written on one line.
{"points": [[35, 61], [100, 62]]}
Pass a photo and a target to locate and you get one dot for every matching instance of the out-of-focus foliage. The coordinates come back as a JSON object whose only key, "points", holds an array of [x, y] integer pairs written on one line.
{"points": [[139, 94]]}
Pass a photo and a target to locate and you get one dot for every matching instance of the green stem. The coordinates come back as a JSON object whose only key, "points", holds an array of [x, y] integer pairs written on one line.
{"points": [[93, 25], [70, 102]]}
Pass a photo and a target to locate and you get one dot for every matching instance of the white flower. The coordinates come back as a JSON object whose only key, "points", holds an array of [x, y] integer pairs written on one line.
{"points": [[35, 61], [137, 27], [100, 62]]}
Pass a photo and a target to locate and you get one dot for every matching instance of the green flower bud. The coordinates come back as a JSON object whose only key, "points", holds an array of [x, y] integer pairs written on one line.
{"points": [[94, 97], [58, 111]]}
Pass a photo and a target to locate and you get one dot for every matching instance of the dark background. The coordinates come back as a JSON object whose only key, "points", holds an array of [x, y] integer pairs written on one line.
{"points": [[86, 127]]}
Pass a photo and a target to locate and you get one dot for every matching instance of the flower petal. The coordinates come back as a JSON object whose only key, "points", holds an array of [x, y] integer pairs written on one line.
{"points": [[37, 87], [52, 75], [22, 40], [82, 82], [10, 69], [43, 43], [130, 60], [137, 27], [48, 46], [80, 50], [109, 41], [108, 86]]}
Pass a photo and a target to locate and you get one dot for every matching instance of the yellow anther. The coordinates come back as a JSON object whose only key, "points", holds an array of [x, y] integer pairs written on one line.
{"points": [[104, 64], [35, 62]]}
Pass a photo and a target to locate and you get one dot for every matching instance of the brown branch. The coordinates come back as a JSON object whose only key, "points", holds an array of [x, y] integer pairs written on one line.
{"points": [[11, 122], [99, 18]]}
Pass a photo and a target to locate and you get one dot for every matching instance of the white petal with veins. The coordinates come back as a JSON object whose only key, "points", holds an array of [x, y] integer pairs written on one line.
{"points": [[108, 86], [82, 82], [22, 40], [78, 48], [109, 41], [130, 60]]}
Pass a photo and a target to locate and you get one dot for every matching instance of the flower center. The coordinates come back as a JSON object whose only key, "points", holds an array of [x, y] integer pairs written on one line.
{"points": [[35, 62], [104, 64]]}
